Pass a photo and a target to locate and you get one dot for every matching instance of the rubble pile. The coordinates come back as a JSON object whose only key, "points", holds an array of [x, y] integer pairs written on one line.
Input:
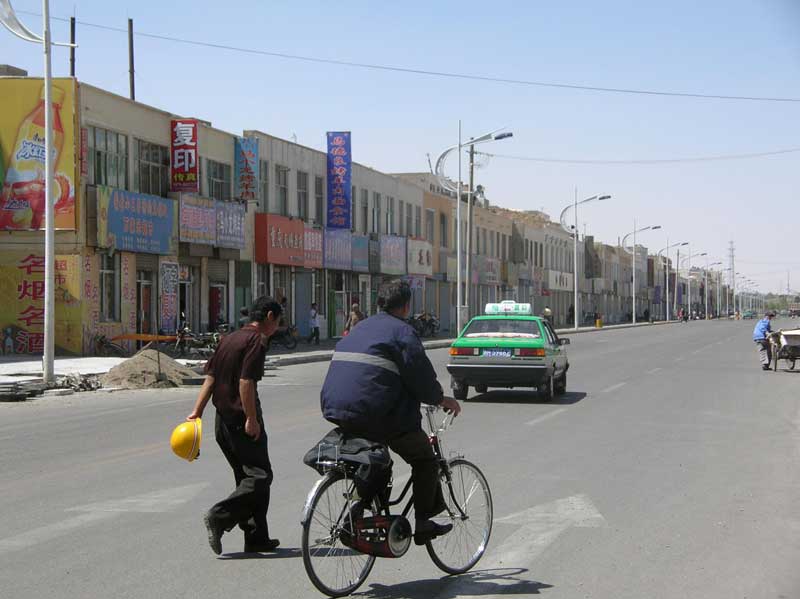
{"points": [[142, 372]]}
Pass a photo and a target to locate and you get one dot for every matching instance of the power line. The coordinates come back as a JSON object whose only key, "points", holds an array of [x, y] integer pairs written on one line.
{"points": [[656, 161], [443, 74]]}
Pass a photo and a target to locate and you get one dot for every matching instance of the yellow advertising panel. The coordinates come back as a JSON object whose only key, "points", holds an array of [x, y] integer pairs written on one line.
{"points": [[22, 303], [22, 153]]}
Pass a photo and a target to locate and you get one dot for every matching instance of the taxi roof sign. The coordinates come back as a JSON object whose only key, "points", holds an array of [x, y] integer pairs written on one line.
{"points": [[508, 307]]}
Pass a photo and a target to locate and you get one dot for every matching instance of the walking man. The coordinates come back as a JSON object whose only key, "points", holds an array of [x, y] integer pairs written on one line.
{"points": [[761, 336], [313, 323], [231, 377]]}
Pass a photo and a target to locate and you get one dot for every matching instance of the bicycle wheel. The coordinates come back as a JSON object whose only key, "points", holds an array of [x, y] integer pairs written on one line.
{"points": [[461, 548], [335, 569]]}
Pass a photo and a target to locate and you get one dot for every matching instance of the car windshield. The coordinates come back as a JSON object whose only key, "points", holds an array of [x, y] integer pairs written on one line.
{"points": [[505, 327]]}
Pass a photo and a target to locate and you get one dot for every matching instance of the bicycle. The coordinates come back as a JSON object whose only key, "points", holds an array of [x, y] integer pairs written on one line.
{"points": [[340, 551], [106, 348]]}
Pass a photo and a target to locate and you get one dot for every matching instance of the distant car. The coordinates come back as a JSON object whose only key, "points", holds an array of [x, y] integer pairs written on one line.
{"points": [[508, 347], [748, 314]]}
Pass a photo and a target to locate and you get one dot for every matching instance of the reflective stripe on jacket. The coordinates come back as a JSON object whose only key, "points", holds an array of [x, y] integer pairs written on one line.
{"points": [[378, 376]]}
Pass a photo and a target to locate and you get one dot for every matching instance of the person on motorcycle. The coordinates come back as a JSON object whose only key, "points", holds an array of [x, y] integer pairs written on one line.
{"points": [[378, 377]]}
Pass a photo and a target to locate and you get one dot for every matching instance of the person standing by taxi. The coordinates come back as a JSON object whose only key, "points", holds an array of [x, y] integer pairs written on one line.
{"points": [[231, 377]]}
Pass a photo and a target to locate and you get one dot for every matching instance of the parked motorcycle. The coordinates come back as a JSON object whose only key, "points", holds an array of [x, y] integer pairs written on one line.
{"points": [[426, 325], [286, 336]]}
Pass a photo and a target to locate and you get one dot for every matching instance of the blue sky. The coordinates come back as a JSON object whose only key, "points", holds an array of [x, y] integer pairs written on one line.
{"points": [[735, 47]]}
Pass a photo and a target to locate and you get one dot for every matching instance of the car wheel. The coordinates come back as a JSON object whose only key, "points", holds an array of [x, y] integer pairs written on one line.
{"points": [[546, 389], [460, 391], [481, 388], [560, 387]]}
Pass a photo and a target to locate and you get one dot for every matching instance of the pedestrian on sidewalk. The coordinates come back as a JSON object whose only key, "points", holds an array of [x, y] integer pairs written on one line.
{"points": [[313, 323], [355, 317], [231, 377], [761, 337]]}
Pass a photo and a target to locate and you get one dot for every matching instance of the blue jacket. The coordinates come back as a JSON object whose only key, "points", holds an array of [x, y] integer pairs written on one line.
{"points": [[378, 377], [762, 329]]}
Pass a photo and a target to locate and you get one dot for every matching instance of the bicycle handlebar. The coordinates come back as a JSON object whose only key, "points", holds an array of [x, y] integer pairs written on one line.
{"points": [[446, 421]]}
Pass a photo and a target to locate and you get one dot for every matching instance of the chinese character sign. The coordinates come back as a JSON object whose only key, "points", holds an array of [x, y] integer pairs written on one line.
{"points": [[338, 249], [245, 175], [360, 253], [313, 247], [230, 225], [419, 258], [22, 303], [135, 222], [169, 296], [339, 176], [279, 240], [198, 222], [393, 255], [184, 156], [22, 153]]}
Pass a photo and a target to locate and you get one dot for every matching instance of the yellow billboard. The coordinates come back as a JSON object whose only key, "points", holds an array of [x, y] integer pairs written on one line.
{"points": [[22, 303], [22, 153]]}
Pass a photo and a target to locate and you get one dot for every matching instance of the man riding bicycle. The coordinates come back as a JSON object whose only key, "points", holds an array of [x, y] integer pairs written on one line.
{"points": [[378, 377]]}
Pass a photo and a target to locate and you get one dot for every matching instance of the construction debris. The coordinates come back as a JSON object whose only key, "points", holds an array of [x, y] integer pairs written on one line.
{"points": [[147, 370], [79, 382]]}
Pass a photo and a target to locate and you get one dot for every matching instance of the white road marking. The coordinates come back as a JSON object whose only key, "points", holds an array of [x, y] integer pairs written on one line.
{"points": [[155, 502], [679, 358], [614, 387], [536, 529], [654, 370], [544, 417]]}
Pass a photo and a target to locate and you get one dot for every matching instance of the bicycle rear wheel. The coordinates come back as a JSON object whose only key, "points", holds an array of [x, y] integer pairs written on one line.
{"points": [[335, 569], [461, 548]]}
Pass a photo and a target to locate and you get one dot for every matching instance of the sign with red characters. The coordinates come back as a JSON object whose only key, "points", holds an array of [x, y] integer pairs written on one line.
{"points": [[184, 156]]}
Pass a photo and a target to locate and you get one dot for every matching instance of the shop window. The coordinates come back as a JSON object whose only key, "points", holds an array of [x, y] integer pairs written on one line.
{"points": [[319, 199], [151, 169], [282, 188], [430, 218], [376, 212], [263, 183], [108, 162], [109, 287], [364, 211], [219, 180], [302, 195]]}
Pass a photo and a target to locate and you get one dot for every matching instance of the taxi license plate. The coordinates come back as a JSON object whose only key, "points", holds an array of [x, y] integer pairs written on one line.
{"points": [[497, 353]]}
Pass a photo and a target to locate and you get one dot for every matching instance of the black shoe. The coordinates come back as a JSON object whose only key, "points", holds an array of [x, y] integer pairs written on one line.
{"points": [[765, 367], [261, 546], [215, 532], [428, 530]]}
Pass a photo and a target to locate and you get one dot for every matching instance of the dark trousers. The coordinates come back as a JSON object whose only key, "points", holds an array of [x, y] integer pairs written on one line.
{"points": [[247, 505], [416, 451], [314, 335], [764, 351]]}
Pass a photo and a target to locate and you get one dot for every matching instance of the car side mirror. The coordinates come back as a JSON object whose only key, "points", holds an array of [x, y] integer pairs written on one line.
{"points": [[563, 341]]}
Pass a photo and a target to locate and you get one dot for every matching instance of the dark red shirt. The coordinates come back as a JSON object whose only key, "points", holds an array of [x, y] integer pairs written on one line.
{"points": [[240, 355]]}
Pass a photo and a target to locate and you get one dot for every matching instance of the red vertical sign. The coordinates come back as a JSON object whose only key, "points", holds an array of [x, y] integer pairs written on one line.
{"points": [[184, 173]]}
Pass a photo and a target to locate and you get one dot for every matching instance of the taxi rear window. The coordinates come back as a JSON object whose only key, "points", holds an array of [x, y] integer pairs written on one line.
{"points": [[505, 327]]}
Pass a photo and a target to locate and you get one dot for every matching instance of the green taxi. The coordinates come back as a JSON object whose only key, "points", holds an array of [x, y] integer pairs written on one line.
{"points": [[508, 347]]}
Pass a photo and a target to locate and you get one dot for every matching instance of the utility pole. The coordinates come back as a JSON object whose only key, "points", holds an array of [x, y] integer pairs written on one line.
{"points": [[130, 59], [733, 275], [72, 46], [470, 199]]}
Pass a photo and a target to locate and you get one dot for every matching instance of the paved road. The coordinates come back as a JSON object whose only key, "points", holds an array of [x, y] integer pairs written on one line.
{"points": [[668, 470]]}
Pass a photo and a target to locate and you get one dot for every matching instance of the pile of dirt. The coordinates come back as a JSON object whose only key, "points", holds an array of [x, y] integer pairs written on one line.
{"points": [[141, 372]]}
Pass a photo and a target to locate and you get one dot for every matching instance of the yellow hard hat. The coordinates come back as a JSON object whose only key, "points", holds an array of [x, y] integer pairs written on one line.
{"points": [[185, 439]]}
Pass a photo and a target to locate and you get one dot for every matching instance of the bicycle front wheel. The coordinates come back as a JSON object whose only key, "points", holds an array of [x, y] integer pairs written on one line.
{"points": [[461, 548], [335, 569]]}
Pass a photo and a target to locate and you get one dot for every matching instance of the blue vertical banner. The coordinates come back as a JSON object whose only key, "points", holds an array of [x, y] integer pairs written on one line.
{"points": [[245, 169], [339, 177]]}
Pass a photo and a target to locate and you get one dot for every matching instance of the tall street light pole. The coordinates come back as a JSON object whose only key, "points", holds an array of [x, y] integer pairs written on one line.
{"points": [[689, 277], [573, 230], [706, 282], [633, 254], [666, 274], [448, 184]]}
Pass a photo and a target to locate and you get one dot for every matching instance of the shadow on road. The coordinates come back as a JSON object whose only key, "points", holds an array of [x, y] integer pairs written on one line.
{"points": [[279, 554], [530, 397], [478, 583]]}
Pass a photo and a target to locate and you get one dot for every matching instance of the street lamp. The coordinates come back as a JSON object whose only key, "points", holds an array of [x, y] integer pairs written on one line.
{"points": [[706, 283], [573, 230], [666, 274], [447, 184], [689, 277], [10, 21], [633, 262]]}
